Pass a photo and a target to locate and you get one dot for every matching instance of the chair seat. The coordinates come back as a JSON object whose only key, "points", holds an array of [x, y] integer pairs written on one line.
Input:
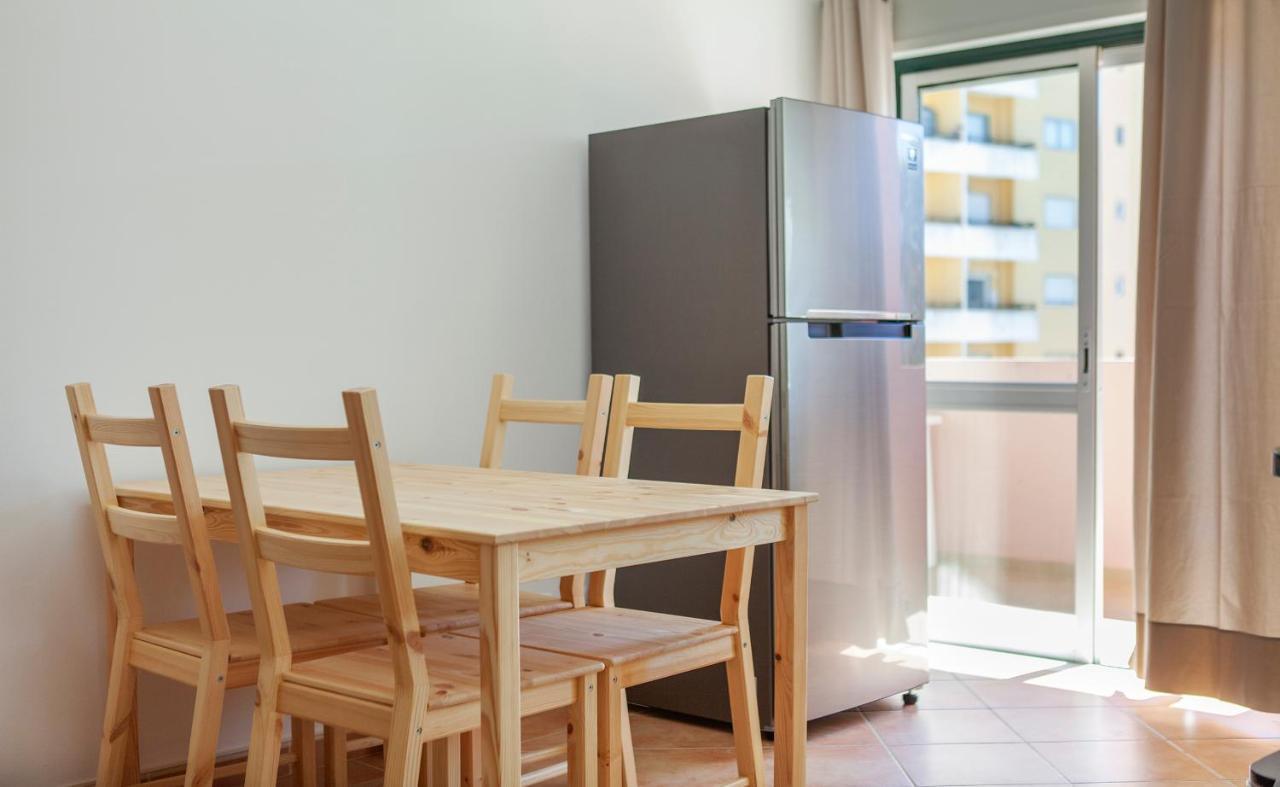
{"points": [[614, 635], [453, 668], [313, 631], [447, 607]]}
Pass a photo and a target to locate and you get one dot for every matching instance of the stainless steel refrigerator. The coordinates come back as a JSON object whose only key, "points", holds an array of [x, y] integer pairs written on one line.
{"points": [[784, 240]]}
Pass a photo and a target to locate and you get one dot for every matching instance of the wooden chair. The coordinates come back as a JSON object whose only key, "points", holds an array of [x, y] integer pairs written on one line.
{"points": [[456, 605], [638, 646], [213, 651], [387, 692]]}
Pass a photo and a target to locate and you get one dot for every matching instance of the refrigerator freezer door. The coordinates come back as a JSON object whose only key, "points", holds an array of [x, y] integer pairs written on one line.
{"points": [[853, 430], [847, 205]]}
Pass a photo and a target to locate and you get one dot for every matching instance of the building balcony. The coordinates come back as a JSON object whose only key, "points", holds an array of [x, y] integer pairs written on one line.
{"points": [[993, 159], [953, 324], [1014, 242]]}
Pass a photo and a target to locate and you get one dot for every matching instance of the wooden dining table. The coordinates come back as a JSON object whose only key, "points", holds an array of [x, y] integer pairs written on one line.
{"points": [[503, 527]]}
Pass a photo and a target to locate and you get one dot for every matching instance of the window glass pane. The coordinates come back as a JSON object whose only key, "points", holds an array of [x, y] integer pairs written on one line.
{"points": [[977, 126], [1060, 213], [1059, 134], [988, 245], [1003, 494], [979, 205], [1119, 184], [1059, 290], [929, 120]]}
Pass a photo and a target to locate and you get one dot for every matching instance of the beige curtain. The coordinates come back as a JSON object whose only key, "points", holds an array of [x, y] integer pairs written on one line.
{"points": [[1208, 367], [857, 55]]}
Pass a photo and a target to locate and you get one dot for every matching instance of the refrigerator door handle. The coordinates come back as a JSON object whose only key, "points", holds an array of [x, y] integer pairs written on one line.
{"points": [[862, 329], [858, 315]]}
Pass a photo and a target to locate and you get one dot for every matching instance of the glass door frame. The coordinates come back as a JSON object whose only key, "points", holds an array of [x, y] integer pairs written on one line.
{"points": [[1080, 397]]}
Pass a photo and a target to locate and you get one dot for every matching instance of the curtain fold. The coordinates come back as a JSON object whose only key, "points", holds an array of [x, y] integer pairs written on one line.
{"points": [[1207, 394], [856, 55]]}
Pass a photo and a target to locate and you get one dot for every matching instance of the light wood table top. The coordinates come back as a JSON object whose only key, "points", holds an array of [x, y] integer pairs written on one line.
{"points": [[486, 506]]}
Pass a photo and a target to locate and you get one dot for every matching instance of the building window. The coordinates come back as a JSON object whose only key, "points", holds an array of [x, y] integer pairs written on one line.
{"points": [[977, 127], [1059, 134], [1121, 212], [929, 119], [1059, 290], [1060, 213], [1119, 136], [979, 207], [982, 291]]}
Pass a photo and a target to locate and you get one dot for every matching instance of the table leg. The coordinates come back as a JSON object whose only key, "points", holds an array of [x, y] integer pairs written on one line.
{"points": [[500, 665], [791, 624]]}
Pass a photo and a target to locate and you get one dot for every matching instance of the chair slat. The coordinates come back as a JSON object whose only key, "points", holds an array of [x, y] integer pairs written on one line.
{"points": [[142, 526], [316, 553], [537, 411], [666, 415], [332, 443], [123, 431]]}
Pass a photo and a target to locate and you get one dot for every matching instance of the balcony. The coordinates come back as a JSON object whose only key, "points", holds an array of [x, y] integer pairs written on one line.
{"points": [[952, 324], [1003, 491], [1014, 242], [990, 159]]}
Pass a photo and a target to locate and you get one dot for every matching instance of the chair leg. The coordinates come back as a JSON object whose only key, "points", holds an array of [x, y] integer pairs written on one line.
{"points": [[583, 725], [303, 746], [610, 699], [442, 763], [118, 728], [402, 751], [470, 758], [628, 750], [335, 757], [745, 713], [211, 689], [264, 742]]}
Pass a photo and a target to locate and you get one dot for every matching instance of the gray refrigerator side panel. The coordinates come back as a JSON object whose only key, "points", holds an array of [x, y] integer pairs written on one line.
{"points": [[848, 194], [679, 291], [854, 421]]}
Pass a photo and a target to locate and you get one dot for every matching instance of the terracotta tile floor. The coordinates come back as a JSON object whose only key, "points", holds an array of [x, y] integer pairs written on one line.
{"points": [[1055, 724]]}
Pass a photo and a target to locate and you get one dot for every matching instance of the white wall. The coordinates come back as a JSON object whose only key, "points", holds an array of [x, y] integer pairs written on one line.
{"points": [[921, 24], [298, 197]]}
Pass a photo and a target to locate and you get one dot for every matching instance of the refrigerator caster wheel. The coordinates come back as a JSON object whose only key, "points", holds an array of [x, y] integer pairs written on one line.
{"points": [[910, 698]]}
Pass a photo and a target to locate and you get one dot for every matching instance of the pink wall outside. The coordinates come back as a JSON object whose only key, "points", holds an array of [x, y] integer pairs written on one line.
{"points": [[1005, 482]]}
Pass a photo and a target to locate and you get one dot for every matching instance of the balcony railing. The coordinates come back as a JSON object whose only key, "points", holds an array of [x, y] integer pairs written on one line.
{"points": [[950, 324], [984, 159], [954, 136], [1014, 242]]}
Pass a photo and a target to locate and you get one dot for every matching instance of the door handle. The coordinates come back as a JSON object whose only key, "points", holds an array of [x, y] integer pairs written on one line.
{"points": [[861, 329], [857, 315]]}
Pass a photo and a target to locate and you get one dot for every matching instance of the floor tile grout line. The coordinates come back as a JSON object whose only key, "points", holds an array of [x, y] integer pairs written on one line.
{"points": [[1175, 745], [995, 712], [886, 747], [1133, 713]]}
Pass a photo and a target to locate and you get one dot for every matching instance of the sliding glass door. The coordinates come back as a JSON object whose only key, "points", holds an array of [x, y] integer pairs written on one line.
{"points": [[1119, 175], [1011, 160]]}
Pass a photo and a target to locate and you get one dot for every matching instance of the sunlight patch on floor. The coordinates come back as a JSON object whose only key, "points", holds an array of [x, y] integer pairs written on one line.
{"points": [[1097, 680], [986, 663], [1209, 705]]}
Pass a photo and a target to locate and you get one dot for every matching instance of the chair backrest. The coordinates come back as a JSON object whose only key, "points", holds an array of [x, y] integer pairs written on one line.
{"points": [[383, 555], [117, 526], [589, 415], [750, 419]]}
